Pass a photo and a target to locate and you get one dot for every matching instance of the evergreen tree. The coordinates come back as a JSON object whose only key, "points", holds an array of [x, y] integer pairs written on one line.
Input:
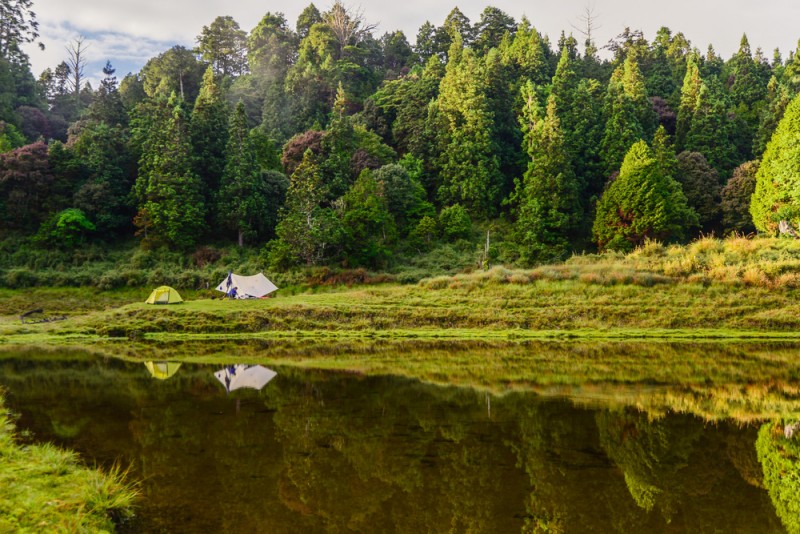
{"points": [[242, 200], [777, 194], [744, 81], [644, 202], [171, 207], [527, 55], [623, 127], [778, 97], [469, 167], [690, 91], [405, 196], [791, 72], [506, 137], [710, 132], [222, 45], [579, 105], [306, 228], [107, 162], [701, 185], [368, 227], [107, 106], [425, 45], [491, 28], [547, 198], [338, 146], [209, 136], [736, 197]]}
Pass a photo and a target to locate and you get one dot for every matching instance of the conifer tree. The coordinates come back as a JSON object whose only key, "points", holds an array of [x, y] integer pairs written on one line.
{"points": [[623, 127], [306, 227], [526, 52], [689, 94], [338, 145], [777, 193], [242, 202], [743, 77], [547, 198], [209, 135], [778, 97], [701, 185], [644, 202], [736, 196], [710, 132], [469, 167], [368, 227], [791, 72], [171, 207]]}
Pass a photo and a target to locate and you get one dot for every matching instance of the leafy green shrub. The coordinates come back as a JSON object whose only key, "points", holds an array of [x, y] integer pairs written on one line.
{"points": [[454, 221], [66, 229]]}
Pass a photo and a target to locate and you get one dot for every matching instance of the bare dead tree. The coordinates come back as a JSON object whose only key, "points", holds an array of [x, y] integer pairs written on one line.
{"points": [[76, 61], [348, 24], [587, 23]]}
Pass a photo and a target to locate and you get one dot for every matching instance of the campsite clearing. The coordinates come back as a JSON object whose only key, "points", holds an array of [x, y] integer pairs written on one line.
{"points": [[485, 305]]}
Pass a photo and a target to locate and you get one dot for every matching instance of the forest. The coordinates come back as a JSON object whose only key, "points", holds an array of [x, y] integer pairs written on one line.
{"points": [[320, 143]]}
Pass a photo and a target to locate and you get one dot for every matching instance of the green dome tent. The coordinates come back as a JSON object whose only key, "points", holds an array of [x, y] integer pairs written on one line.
{"points": [[164, 295]]}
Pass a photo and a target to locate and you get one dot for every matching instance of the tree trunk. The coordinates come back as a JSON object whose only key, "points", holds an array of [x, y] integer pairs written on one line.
{"points": [[241, 238]]}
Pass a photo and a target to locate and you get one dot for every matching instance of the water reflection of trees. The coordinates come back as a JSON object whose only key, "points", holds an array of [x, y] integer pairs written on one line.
{"points": [[779, 453], [319, 452]]}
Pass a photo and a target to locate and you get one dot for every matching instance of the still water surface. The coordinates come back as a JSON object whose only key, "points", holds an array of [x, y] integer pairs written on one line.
{"points": [[339, 452]]}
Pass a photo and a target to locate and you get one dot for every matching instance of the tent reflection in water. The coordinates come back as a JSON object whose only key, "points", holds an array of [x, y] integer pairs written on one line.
{"points": [[244, 376], [162, 370], [247, 287]]}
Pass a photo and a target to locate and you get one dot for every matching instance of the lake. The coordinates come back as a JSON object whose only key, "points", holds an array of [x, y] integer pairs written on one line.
{"points": [[234, 447]]}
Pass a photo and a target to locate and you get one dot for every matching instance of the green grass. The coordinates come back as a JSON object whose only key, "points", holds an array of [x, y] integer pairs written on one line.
{"points": [[46, 489], [736, 288]]}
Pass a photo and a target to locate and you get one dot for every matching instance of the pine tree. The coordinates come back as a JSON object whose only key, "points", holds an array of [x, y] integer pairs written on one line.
{"points": [[107, 106], [547, 198], [469, 167], [209, 135], [777, 193], [778, 97], [171, 207], [710, 132], [622, 128], [338, 145], [242, 201], [526, 53], [644, 202], [692, 82]]}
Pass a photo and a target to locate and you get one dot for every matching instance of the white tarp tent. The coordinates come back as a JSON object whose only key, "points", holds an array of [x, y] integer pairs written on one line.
{"points": [[245, 376], [247, 287]]}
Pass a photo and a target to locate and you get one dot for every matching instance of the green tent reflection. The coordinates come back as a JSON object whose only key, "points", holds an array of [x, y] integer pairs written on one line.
{"points": [[162, 370]]}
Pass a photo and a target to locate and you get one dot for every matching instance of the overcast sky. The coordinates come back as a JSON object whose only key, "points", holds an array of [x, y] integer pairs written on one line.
{"points": [[129, 32]]}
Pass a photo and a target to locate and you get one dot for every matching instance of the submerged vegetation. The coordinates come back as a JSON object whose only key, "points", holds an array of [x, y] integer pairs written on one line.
{"points": [[47, 489]]}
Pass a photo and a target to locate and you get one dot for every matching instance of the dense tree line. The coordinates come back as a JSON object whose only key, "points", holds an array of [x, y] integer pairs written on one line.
{"points": [[330, 144]]}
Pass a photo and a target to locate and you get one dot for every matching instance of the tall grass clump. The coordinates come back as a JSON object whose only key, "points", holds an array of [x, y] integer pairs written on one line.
{"points": [[46, 489]]}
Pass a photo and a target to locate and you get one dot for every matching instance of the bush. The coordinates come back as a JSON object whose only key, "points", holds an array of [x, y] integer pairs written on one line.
{"points": [[454, 221]]}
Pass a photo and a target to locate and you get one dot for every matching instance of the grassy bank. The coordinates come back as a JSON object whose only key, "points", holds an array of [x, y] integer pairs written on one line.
{"points": [[46, 489], [711, 288]]}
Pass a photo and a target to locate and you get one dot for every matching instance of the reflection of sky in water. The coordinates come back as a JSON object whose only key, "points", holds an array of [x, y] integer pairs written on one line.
{"points": [[317, 452]]}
